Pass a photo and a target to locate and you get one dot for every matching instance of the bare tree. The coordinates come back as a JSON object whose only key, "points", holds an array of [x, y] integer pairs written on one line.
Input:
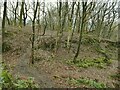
{"points": [[44, 19], [74, 24], [16, 12], [3, 24], [59, 6], [25, 14], [33, 33], [70, 20], [84, 4], [21, 12]]}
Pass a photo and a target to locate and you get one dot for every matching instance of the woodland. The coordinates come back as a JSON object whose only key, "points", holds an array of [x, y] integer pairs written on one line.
{"points": [[59, 44]]}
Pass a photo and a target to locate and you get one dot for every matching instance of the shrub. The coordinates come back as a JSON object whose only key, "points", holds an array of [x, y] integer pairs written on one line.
{"points": [[7, 81]]}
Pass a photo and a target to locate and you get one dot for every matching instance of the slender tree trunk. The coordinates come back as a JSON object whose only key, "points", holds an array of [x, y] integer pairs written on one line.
{"points": [[16, 13], [38, 22], [21, 13], [102, 23], [33, 40], [44, 19], [70, 18], [111, 24], [3, 24], [50, 19], [64, 18], [82, 28], [74, 24], [59, 25], [9, 23], [33, 33]]}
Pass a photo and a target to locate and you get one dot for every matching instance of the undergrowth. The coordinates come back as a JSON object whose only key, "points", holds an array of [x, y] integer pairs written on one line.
{"points": [[8, 81], [85, 63], [7, 47], [90, 41], [86, 82], [8, 34]]}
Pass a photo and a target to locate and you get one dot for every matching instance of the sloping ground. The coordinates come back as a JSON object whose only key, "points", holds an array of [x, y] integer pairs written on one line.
{"points": [[59, 72], [17, 59], [50, 70], [24, 69]]}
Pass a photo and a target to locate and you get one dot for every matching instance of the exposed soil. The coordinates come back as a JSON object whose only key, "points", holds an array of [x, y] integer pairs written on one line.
{"points": [[50, 70]]}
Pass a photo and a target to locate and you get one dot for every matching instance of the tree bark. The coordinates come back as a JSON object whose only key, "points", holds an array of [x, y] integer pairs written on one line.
{"points": [[82, 28], [33, 33], [3, 24], [16, 13], [74, 24], [21, 13]]}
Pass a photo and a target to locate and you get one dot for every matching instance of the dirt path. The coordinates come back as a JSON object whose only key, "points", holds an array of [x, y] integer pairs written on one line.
{"points": [[24, 69]]}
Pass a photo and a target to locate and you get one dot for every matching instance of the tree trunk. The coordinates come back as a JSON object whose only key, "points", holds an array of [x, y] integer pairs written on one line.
{"points": [[44, 18], [74, 24], [16, 13], [33, 33], [21, 13], [70, 18], [82, 28], [59, 25], [3, 24]]}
